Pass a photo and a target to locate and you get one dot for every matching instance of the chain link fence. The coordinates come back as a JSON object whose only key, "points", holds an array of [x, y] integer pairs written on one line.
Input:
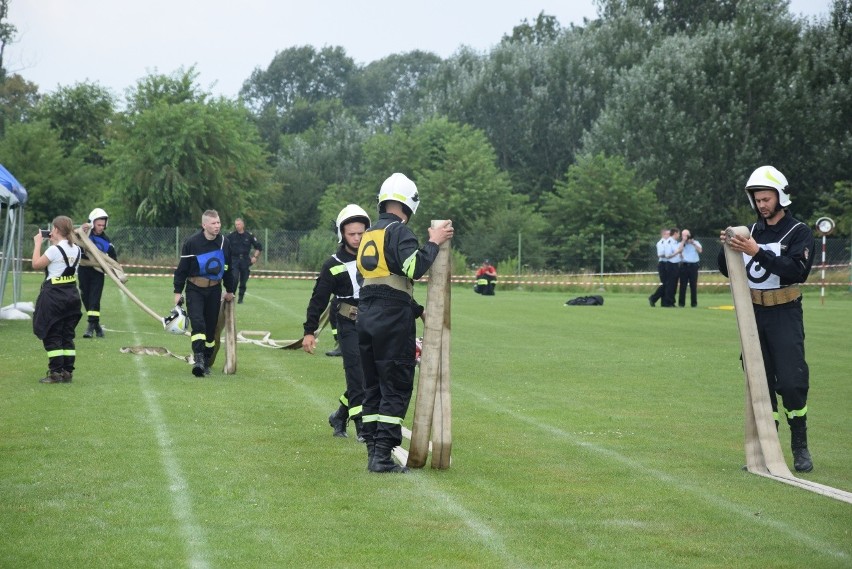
{"points": [[159, 248]]}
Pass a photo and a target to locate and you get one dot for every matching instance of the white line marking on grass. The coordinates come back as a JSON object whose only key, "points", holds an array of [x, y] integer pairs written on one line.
{"points": [[196, 544], [488, 536], [713, 499], [279, 307]]}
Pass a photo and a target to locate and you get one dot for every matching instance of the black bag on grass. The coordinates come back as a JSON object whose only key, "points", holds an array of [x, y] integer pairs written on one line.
{"points": [[586, 301]]}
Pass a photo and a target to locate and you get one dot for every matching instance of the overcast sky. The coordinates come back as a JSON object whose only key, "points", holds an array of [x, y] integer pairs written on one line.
{"points": [[117, 42]]}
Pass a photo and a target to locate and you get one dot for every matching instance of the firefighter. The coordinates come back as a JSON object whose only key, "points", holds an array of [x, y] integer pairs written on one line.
{"points": [[203, 266], [57, 309], [338, 277], [486, 279], [778, 255], [389, 260], [92, 279]]}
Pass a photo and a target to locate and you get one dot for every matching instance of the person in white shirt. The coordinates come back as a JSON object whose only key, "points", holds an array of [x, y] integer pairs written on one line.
{"points": [[58, 308], [689, 250], [661, 267], [672, 255]]}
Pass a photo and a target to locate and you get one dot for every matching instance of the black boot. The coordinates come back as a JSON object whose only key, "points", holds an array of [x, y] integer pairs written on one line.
{"points": [[799, 444], [371, 453], [335, 352], [337, 420], [208, 357], [198, 365], [99, 332], [383, 461], [359, 429], [90, 330], [52, 377]]}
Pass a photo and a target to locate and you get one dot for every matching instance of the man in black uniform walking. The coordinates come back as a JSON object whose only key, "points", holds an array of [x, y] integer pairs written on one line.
{"points": [[203, 265], [338, 277], [389, 260], [92, 279], [778, 256], [242, 243]]}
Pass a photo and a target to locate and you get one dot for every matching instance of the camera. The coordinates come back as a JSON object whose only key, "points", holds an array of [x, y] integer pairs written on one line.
{"points": [[45, 233]]}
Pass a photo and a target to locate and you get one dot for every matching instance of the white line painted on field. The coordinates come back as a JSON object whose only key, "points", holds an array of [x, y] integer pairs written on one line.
{"points": [[490, 538], [487, 535], [665, 477], [196, 544]]}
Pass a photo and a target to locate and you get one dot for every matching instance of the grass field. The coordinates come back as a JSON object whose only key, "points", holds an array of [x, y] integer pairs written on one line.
{"points": [[582, 437]]}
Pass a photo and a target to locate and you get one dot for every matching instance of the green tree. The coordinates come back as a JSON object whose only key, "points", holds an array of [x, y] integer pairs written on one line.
{"points": [[535, 98], [7, 34], [18, 99], [296, 76], [599, 195], [327, 153], [672, 15], [173, 160], [83, 115], [155, 88], [56, 184], [543, 30], [387, 90], [457, 178], [701, 112], [496, 237]]}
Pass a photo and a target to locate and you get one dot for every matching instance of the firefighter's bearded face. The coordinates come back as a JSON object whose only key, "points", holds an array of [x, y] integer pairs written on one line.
{"points": [[766, 202], [352, 233]]}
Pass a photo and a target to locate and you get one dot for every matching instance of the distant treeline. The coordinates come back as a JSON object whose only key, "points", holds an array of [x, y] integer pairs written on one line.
{"points": [[653, 114]]}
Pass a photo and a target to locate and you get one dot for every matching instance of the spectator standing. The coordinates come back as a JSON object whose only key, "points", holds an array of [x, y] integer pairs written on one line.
{"points": [[672, 254], [690, 249], [92, 278], [57, 309], [662, 266], [242, 242]]}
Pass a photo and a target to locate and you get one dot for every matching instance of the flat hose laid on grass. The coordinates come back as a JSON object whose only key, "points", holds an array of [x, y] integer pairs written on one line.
{"points": [[763, 449]]}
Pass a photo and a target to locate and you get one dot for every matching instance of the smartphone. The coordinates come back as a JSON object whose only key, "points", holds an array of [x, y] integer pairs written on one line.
{"points": [[45, 233]]}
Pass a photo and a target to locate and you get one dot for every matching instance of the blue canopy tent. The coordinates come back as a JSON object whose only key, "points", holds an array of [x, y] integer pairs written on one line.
{"points": [[13, 196]]}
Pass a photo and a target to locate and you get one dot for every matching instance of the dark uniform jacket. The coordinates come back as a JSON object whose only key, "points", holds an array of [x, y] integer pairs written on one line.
{"points": [[333, 279], [242, 243], [792, 265], [201, 257], [400, 251], [103, 244]]}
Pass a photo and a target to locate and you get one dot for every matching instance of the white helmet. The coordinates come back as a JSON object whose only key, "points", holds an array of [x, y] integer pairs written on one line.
{"points": [[175, 322], [98, 213], [349, 213], [767, 178], [399, 188]]}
